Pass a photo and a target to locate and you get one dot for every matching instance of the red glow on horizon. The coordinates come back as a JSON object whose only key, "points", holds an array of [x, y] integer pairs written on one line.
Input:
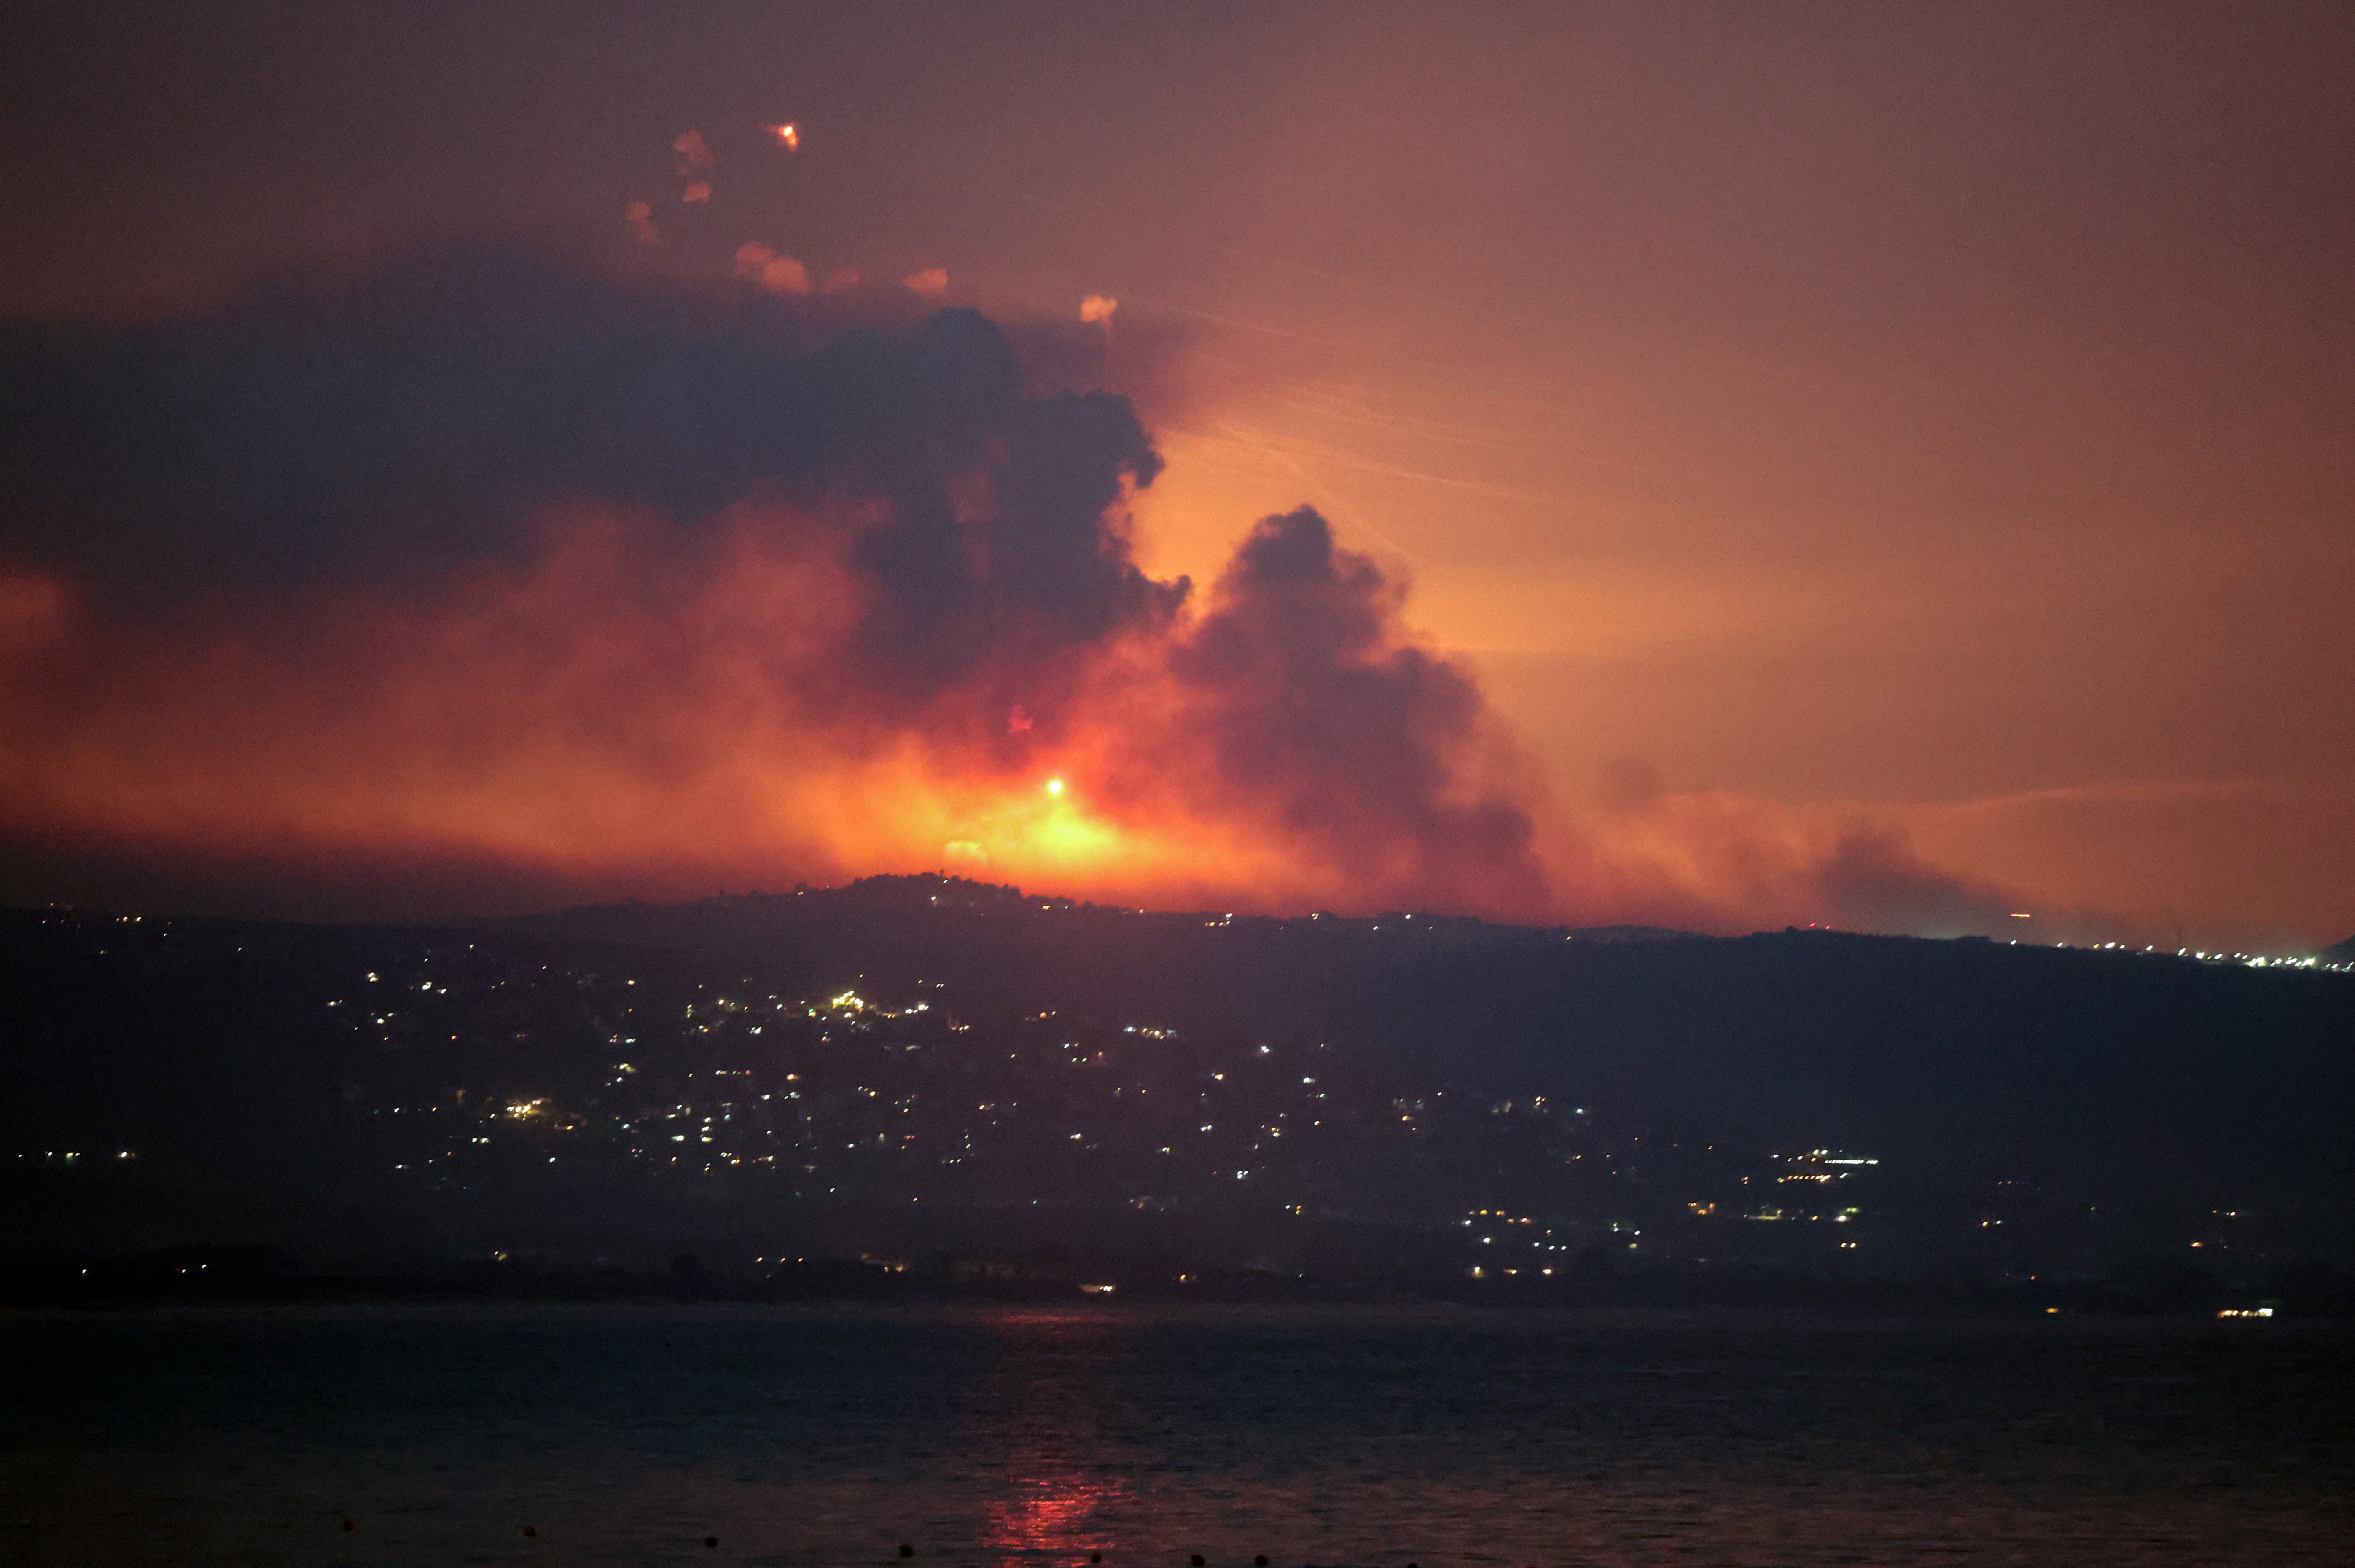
{"points": [[616, 718], [630, 722]]}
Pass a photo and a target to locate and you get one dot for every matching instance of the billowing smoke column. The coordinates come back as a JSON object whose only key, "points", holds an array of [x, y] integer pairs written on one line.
{"points": [[1316, 713], [486, 562]]}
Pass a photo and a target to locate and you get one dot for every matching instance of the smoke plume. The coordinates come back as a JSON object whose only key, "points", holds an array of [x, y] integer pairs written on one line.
{"points": [[481, 559], [479, 579]]}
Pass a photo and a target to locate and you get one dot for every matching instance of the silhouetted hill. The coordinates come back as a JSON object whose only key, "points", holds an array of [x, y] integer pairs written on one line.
{"points": [[2080, 1065], [933, 1067]]}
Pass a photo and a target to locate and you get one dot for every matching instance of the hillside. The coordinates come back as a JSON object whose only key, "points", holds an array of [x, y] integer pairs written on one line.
{"points": [[922, 1068], [1968, 1055]]}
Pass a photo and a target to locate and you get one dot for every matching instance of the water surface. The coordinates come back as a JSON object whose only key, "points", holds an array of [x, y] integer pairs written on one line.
{"points": [[997, 1438]]}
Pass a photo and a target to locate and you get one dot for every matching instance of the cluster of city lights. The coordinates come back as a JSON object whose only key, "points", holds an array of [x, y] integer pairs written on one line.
{"points": [[2248, 960]]}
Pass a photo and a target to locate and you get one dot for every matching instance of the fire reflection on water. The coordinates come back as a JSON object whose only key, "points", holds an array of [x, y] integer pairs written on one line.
{"points": [[1056, 1502], [819, 1438], [1052, 1515]]}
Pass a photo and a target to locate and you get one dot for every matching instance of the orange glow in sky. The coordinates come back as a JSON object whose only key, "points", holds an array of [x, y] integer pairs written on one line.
{"points": [[455, 731], [1880, 466]]}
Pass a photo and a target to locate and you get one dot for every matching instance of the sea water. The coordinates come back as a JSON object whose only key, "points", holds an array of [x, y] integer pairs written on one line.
{"points": [[815, 1437]]}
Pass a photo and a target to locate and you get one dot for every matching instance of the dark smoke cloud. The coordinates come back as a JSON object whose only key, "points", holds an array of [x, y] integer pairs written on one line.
{"points": [[1045, 575], [1357, 741], [491, 519], [832, 524], [384, 429], [1871, 880]]}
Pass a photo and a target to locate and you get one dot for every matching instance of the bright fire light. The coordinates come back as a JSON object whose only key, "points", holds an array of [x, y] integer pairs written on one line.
{"points": [[1054, 786], [788, 137]]}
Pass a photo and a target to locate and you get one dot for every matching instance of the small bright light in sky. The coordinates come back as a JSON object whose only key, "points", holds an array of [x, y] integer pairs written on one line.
{"points": [[788, 137], [1054, 786]]}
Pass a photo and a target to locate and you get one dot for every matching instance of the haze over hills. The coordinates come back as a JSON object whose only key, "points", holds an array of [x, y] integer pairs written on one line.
{"points": [[984, 1084]]}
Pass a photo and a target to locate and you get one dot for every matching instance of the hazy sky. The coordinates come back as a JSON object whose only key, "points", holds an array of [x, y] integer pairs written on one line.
{"points": [[1812, 424]]}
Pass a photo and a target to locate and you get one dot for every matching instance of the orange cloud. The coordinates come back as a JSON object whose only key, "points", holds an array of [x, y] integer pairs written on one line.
{"points": [[1098, 307], [639, 718], [618, 714], [640, 217], [871, 595], [930, 281], [778, 274]]}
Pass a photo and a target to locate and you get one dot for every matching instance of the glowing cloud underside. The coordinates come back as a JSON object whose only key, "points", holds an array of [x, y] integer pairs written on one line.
{"points": [[659, 592], [789, 647]]}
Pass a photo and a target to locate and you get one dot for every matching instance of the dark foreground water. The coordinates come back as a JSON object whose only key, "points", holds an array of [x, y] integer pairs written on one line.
{"points": [[1455, 1440]]}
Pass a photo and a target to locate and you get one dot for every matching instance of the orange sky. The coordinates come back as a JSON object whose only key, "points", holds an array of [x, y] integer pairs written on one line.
{"points": [[1801, 420]]}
